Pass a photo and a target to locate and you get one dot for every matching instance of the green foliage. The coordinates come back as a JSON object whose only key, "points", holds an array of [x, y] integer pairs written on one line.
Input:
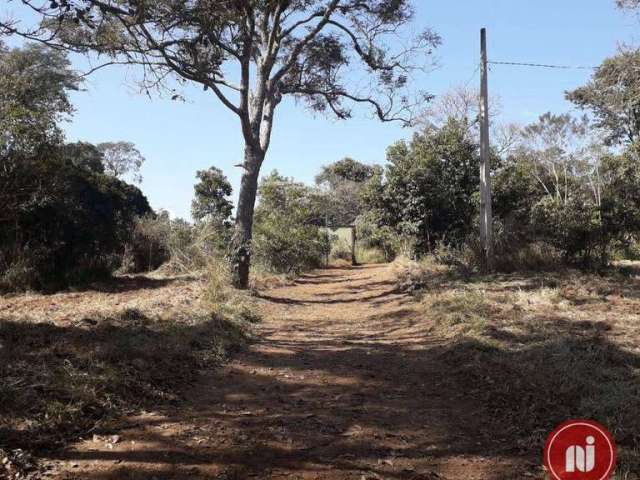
{"points": [[211, 202], [515, 190], [343, 182], [67, 229], [613, 96], [562, 190], [287, 237], [85, 155], [560, 195], [174, 244], [430, 186], [574, 227], [621, 194], [184, 247], [373, 234], [346, 169], [63, 220], [121, 159], [34, 81]]}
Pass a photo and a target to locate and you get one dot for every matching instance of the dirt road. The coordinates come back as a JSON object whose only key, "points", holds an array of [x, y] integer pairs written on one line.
{"points": [[344, 382]]}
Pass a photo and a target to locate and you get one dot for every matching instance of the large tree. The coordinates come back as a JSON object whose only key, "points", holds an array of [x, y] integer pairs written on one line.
{"points": [[122, 159], [613, 95], [211, 202], [332, 54], [430, 187], [34, 86], [342, 183]]}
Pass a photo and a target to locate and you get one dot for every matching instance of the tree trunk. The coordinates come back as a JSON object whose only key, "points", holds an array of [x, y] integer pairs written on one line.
{"points": [[241, 243]]}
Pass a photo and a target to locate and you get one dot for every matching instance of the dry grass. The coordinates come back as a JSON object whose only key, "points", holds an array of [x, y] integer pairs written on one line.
{"points": [[73, 362], [538, 349], [367, 256], [261, 280]]}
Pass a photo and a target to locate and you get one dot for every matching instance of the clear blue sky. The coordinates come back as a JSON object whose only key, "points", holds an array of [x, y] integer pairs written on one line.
{"points": [[180, 138]]}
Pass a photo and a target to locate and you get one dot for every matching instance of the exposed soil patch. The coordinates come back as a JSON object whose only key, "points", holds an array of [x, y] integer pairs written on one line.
{"points": [[345, 382], [73, 363]]}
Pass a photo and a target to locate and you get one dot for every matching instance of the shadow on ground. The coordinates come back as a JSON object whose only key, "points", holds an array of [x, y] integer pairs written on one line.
{"points": [[59, 382], [351, 389]]}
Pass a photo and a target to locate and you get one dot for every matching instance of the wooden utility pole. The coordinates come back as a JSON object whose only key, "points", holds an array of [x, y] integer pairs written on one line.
{"points": [[486, 215]]}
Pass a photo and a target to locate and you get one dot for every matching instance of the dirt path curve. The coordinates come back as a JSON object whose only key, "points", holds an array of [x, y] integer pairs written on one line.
{"points": [[345, 382]]}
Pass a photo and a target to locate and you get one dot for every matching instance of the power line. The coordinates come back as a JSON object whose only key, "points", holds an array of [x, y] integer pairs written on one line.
{"points": [[543, 65], [473, 75]]}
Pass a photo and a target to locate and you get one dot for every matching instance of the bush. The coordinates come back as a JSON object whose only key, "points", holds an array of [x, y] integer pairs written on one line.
{"points": [[280, 247], [287, 237], [148, 247], [340, 250], [581, 215], [62, 224], [574, 227], [372, 234], [174, 243], [429, 189]]}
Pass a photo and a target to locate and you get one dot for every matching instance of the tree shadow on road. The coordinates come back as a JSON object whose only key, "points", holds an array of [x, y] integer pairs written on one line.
{"points": [[322, 399]]}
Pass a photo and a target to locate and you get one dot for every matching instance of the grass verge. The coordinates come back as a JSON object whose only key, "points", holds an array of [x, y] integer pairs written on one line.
{"points": [[534, 349], [65, 378]]}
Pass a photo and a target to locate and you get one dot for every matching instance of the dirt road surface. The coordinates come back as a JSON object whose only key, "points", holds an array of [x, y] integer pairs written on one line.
{"points": [[345, 381]]}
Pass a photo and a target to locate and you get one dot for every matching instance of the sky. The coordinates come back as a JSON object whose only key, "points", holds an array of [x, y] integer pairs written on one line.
{"points": [[180, 138]]}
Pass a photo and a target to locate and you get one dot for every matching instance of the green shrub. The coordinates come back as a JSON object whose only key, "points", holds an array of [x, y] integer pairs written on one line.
{"points": [[574, 227], [174, 243], [280, 247], [340, 250], [287, 237], [373, 235], [62, 224], [429, 189]]}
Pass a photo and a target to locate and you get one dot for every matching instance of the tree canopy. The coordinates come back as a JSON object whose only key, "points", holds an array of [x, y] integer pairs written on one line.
{"points": [[298, 47], [34, 85], [613, 96], [121, 159], [85, 155], [430, 186], [346, 169], [211, 202], [62, 219], [343, 182], [329, 54]]}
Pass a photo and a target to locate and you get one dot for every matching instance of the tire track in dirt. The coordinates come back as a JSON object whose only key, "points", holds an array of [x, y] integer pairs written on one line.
{"points": [[344, 382]]}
